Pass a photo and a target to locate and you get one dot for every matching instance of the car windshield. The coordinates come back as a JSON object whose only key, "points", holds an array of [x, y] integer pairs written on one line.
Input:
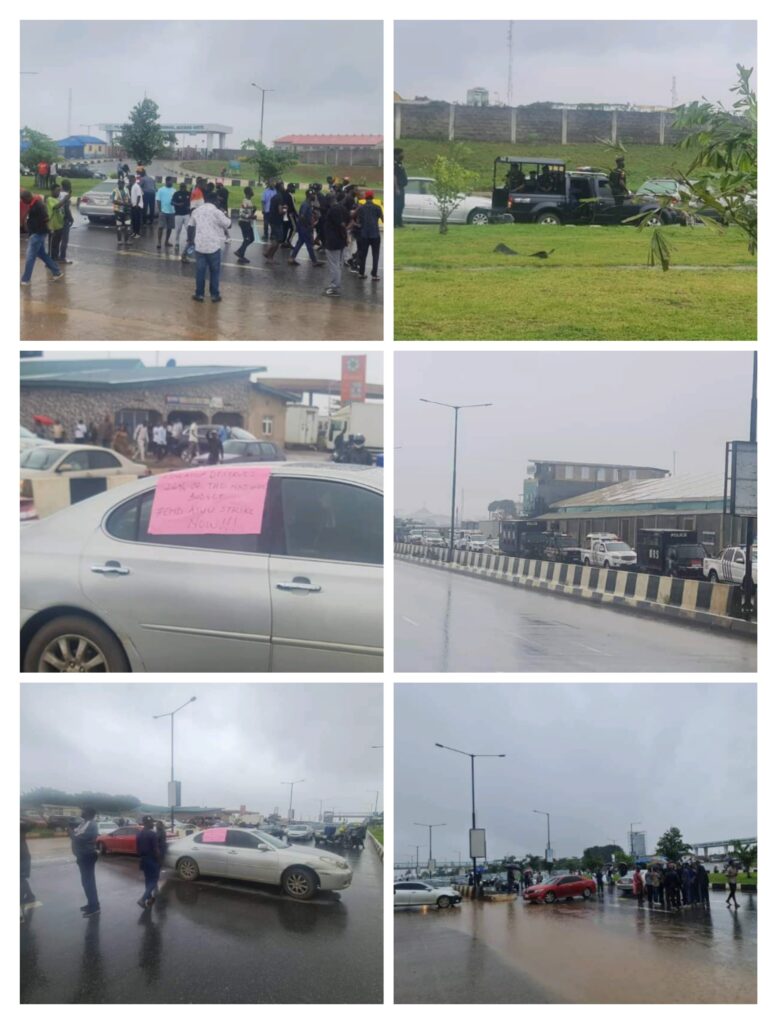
{"points": [[616, 545], [104, 186], [27, 433], [40, 457], [690, 551]]}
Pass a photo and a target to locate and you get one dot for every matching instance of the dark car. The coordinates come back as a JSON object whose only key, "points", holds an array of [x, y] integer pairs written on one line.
{"points": [[63, 821], [540, 190], [559, 547], [667, 552], [516, 536], [78, 171], [247, 451]]}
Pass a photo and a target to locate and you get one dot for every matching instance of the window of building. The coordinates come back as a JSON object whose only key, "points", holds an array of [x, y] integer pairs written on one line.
{"points": [[267, 423], [632, 474], [130, 418], [616, 475], [585, 473], [569, 472], [601, 475]]}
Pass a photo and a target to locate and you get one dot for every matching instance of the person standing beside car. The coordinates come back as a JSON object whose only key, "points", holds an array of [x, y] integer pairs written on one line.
{"points": [[638, 885], [215, 448], [732, 876], [83, 840], [136, 203], [147, 846], [400, 184]]}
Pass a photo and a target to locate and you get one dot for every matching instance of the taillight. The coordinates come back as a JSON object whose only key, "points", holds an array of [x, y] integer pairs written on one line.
{"points": [[25, 488]]}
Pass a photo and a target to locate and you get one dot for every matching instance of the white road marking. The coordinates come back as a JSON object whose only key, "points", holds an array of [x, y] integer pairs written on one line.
{"points": [[406, 619]]}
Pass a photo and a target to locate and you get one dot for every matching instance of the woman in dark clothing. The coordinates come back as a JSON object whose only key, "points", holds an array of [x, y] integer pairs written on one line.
{"points": [[215, 448]]}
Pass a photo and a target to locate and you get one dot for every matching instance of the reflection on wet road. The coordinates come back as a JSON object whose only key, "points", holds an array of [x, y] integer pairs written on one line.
{"points": [[450, 623], [602, 951], [208, 941], [141, 293]]}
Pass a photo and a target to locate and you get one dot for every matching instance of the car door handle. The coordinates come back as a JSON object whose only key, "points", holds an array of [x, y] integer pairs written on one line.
{"points": [[232, 853], [111, 569], [299, 583]]}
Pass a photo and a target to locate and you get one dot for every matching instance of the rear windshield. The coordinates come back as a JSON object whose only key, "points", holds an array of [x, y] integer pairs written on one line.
{"points": [[690, 551]]}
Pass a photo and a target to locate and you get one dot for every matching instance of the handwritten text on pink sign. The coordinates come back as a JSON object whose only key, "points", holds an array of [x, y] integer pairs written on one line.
{"points": [[214, 500]]}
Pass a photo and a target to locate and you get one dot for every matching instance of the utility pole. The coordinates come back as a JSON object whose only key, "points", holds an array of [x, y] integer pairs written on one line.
{"points": [[261, 116], [674, 91], [510, 64], [747, 582], [173, 791]]}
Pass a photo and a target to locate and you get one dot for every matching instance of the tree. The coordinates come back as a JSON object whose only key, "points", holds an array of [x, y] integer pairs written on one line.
{"points": [[451, 182], [746, 854], [39, 147], [672, 845], [141, 136], [102, 802], [596, 856], [504, 508], [271, 164]]}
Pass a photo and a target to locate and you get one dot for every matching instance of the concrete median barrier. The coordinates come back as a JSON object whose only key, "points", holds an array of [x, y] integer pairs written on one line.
{"points": [[713, 605]]}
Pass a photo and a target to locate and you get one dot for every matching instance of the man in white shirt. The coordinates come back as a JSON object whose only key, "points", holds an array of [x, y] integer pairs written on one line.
{"points": [[210, 224], [141, 440], [79, 434], [194, 440], [136, 204]]}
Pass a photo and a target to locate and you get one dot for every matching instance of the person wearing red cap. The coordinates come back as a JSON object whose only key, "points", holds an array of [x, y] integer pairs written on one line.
{"points": [[368, 217]]}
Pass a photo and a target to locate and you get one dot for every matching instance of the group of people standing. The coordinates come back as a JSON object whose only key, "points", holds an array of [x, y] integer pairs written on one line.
{"points": [[47, 221], [672, 886]]}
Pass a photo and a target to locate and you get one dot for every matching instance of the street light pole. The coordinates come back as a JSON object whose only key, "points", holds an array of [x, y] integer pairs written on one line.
{"points": [[261, 120], [471, 757], [377, 794], [292, 784], [171, 715], [456, 408], [423, 824], [547, 850]]}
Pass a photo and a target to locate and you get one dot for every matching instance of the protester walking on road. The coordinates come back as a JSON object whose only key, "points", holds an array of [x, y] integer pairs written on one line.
{"points": [[182, 207], [306, 224], [335, 241], [215, 448], [704, 885], [246, 219], [275, 215], [599, 882], [150, 861], [65, 196], [267, 197], [166, 214], [38, 233], [209, 223], [368, 218], [511, 879], [106, 431], [83, 841], [732, 875]]}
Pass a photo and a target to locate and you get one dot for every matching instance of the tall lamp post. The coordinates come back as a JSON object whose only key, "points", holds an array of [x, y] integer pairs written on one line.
{"points": [[456, 408], [472, 776], [292, 784], [173, 795], [547, 849], [261, 118], [423, 824], [377, 794]]}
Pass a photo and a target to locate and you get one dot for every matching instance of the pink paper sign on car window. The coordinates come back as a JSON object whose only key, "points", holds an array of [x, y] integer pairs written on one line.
{"points": [[214, 835], [216, 500]]}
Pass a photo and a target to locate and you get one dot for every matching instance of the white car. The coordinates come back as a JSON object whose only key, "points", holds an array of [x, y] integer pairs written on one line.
{"points": [[608, 552], [729, 566], [421, 894], [77, 461], [105, 827], [255, 856], [304, 593], [299, 832], [421, 206]]}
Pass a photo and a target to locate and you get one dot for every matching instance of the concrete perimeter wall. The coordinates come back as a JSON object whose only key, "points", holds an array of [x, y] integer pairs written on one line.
{"points": [[693, 601]]}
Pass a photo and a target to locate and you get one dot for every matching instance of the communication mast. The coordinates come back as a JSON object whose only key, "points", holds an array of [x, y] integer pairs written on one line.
{"points": [[510, 64], [675, 99]]}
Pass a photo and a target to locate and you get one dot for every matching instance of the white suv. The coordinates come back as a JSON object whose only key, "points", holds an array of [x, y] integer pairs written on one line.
{"points": [[608, 552]]}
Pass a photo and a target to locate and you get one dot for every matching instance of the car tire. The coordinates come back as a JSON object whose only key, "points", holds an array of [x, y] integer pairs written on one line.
{"points": [[549, 897], [655, 220], [587, 893], [299, 883], [713, 576], [98, 638], [587, 561], [549, 219], [187, 869], [102, 849], [444, 902], [478, 217]]}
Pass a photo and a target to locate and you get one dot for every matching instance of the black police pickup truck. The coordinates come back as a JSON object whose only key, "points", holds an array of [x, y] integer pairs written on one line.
{"points": [[540, 190]]}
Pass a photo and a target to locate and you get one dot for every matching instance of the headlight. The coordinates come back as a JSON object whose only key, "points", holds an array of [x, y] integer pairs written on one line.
{"points": [[343, 865]]}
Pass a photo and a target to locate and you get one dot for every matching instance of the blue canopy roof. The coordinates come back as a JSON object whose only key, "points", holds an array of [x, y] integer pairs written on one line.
{"points": [[80, 140]]}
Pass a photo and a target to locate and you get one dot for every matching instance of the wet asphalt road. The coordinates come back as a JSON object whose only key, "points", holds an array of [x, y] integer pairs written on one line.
{"points": [[140, 293], [450, 623], [601, 951], [203, 942]]}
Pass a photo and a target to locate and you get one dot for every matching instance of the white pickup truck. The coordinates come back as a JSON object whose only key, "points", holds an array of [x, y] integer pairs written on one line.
{"points": [[729, 566], [608, 552]]}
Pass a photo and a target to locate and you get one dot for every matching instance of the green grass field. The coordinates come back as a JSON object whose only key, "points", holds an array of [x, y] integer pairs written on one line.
{"points": [[642, 162], [718, 877], [377, 831], [370, 177], [596, 285]]}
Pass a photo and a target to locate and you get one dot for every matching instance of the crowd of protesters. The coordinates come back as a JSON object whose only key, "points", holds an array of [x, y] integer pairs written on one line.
{"points": [[337, 224]]}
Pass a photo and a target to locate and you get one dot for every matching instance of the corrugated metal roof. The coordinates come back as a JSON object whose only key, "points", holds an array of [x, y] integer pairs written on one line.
{"points": [[690, 487], [117, 377], [593, 465], [81, 140]]}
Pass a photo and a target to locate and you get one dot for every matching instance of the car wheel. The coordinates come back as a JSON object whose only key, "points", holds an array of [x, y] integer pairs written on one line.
{"points": [[187, 869], [606, 565], [548, 218], [74, 644], [478, 217], [587, 894], [655, 220], [713, 576], [299, 883], [444, 902], [587, 561], [550, 897]]}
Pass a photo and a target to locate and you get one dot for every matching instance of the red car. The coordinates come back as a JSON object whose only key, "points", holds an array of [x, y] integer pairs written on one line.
{"points": [[560, 887], [124, 840]]}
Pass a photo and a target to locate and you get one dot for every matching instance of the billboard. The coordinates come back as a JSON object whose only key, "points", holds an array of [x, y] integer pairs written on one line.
{"points": [[477, 842], [353, 377], [744, 478]]}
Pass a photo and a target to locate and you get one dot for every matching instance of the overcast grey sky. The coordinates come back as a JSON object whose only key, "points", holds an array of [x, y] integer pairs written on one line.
{"points": [[596, 757], [327, 76], [573, 61], [278, 363], [614, 407], [235, 745]]}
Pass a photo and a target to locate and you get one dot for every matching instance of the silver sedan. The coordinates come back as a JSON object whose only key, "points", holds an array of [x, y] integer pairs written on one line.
{"points": [[255, 856], [421, 206], [100, 593]]}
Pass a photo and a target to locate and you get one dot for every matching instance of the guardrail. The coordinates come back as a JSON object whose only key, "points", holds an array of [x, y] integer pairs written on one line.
{"points": [[708, 604]]}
